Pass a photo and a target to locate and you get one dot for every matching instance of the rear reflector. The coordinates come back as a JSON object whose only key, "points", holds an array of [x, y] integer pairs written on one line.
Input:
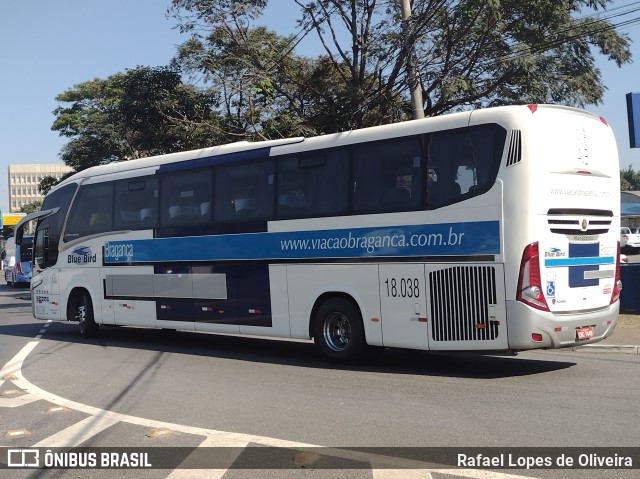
{"points": [[536, 337]]}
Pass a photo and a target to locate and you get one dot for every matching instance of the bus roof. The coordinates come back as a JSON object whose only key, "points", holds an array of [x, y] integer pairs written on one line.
{"points": [[300, 144]]}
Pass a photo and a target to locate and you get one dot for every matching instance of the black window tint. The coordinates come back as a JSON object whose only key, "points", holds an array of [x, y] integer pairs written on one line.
{"points": [[58, 199], [487, 143], [91, 212], [186, 198], [447, 150], [387, 176], [26, 249], [136, 203], [313, 186], [42, 256], [463, 163], [244, 191], [49, 229]]}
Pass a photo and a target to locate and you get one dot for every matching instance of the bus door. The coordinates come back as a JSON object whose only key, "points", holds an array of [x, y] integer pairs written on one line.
{"points": [[403, 305], [466, 307], [105, 316]]}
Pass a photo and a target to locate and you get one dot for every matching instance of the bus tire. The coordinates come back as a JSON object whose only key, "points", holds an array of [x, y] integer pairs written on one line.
{"points": [[82, 311], [338, 331]]}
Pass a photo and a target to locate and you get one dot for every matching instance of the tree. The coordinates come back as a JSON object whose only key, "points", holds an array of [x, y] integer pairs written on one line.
{"points": [[629, 179], [48, 182], [31, 207], [468, 53], [144, 111], [7, 232]]}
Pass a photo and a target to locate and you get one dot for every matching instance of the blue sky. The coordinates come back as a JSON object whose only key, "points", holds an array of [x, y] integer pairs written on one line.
{"points": [[48, 46]]}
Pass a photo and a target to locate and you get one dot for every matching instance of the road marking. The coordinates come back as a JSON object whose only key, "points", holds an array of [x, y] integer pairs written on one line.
{"points": [[14, 366], [234, 447], [78, 433], [43, 330], [55, 409], [16, 433], [100, 419], [11, 393], [18, 400]]}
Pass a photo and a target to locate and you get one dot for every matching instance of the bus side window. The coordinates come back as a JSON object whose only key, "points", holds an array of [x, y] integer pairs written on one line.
{"points": [[183, 194], [388, 175], [41, 247], [463, 163], [487, 142], [136, 203], [91, 212], [49, 230], [244, 191], [313, 186]]}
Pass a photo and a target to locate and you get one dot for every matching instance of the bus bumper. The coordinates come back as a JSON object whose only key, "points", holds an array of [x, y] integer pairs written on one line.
{"points": [[529, 328]]}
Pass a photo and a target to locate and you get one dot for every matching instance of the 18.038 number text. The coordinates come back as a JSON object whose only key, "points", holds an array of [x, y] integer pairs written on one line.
{"points": [[402, 287]]}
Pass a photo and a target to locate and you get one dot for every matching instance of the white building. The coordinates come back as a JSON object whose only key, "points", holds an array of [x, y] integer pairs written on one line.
{"points": [[24, 178]]}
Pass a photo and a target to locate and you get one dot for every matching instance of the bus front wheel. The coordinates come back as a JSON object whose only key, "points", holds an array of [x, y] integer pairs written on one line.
{"points": [[82, 311], [338, 331]]}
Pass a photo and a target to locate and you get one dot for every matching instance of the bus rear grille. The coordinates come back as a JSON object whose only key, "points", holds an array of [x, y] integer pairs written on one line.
{"points": [[463, 303], [579, 222]]}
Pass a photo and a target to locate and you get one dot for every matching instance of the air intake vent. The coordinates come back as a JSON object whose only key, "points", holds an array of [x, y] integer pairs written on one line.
{"points": [[463, 303], [515, 148]]}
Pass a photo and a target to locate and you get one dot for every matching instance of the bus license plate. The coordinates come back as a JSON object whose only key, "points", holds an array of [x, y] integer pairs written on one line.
{"points": [[584, 333]]}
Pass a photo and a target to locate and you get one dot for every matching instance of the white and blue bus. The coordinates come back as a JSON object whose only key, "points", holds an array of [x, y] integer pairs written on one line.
{"points": [[488, 230]]}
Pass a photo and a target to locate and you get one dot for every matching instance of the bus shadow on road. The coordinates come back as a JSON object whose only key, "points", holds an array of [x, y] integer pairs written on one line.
{"points": [[296, 353]]}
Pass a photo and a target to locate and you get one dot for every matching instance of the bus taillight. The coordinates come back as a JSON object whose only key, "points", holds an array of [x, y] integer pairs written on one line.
{"points": [[529, 280], [617, 285]]}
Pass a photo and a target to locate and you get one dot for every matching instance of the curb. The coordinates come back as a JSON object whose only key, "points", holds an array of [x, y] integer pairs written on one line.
{"points": [[607, 348]]}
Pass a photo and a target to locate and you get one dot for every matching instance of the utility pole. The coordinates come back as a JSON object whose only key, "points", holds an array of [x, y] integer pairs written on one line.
{"points": [[415, 87]]}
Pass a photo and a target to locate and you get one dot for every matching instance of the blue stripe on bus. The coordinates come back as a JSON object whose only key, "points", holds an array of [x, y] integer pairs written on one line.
{"points": [[216, 160], [557, 262], [468, 238]]}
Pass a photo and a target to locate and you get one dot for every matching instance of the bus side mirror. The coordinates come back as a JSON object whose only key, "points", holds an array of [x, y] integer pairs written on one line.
{"points": [[3, 255]]}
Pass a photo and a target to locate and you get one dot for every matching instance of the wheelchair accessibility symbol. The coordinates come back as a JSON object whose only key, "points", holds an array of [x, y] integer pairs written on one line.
{"points": [[551, 288]]}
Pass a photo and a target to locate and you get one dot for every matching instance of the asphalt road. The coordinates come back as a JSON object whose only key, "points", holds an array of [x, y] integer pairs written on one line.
{"points": [[135, 387]]}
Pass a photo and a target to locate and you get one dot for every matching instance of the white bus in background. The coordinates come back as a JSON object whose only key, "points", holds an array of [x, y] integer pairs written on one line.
{"points": [[487, 230]]}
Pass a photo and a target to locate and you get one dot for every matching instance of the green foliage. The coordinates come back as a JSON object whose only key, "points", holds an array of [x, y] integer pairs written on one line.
{"points": [[252, 85], [31, 207], [518, 52], [7, 232], [629, 179], [470, 53], [267, 90], [142, 112], [49, 182]]}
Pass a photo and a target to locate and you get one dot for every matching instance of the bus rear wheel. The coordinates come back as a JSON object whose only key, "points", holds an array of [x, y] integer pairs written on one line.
{"points": [[82, 311], [338, 331]]}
